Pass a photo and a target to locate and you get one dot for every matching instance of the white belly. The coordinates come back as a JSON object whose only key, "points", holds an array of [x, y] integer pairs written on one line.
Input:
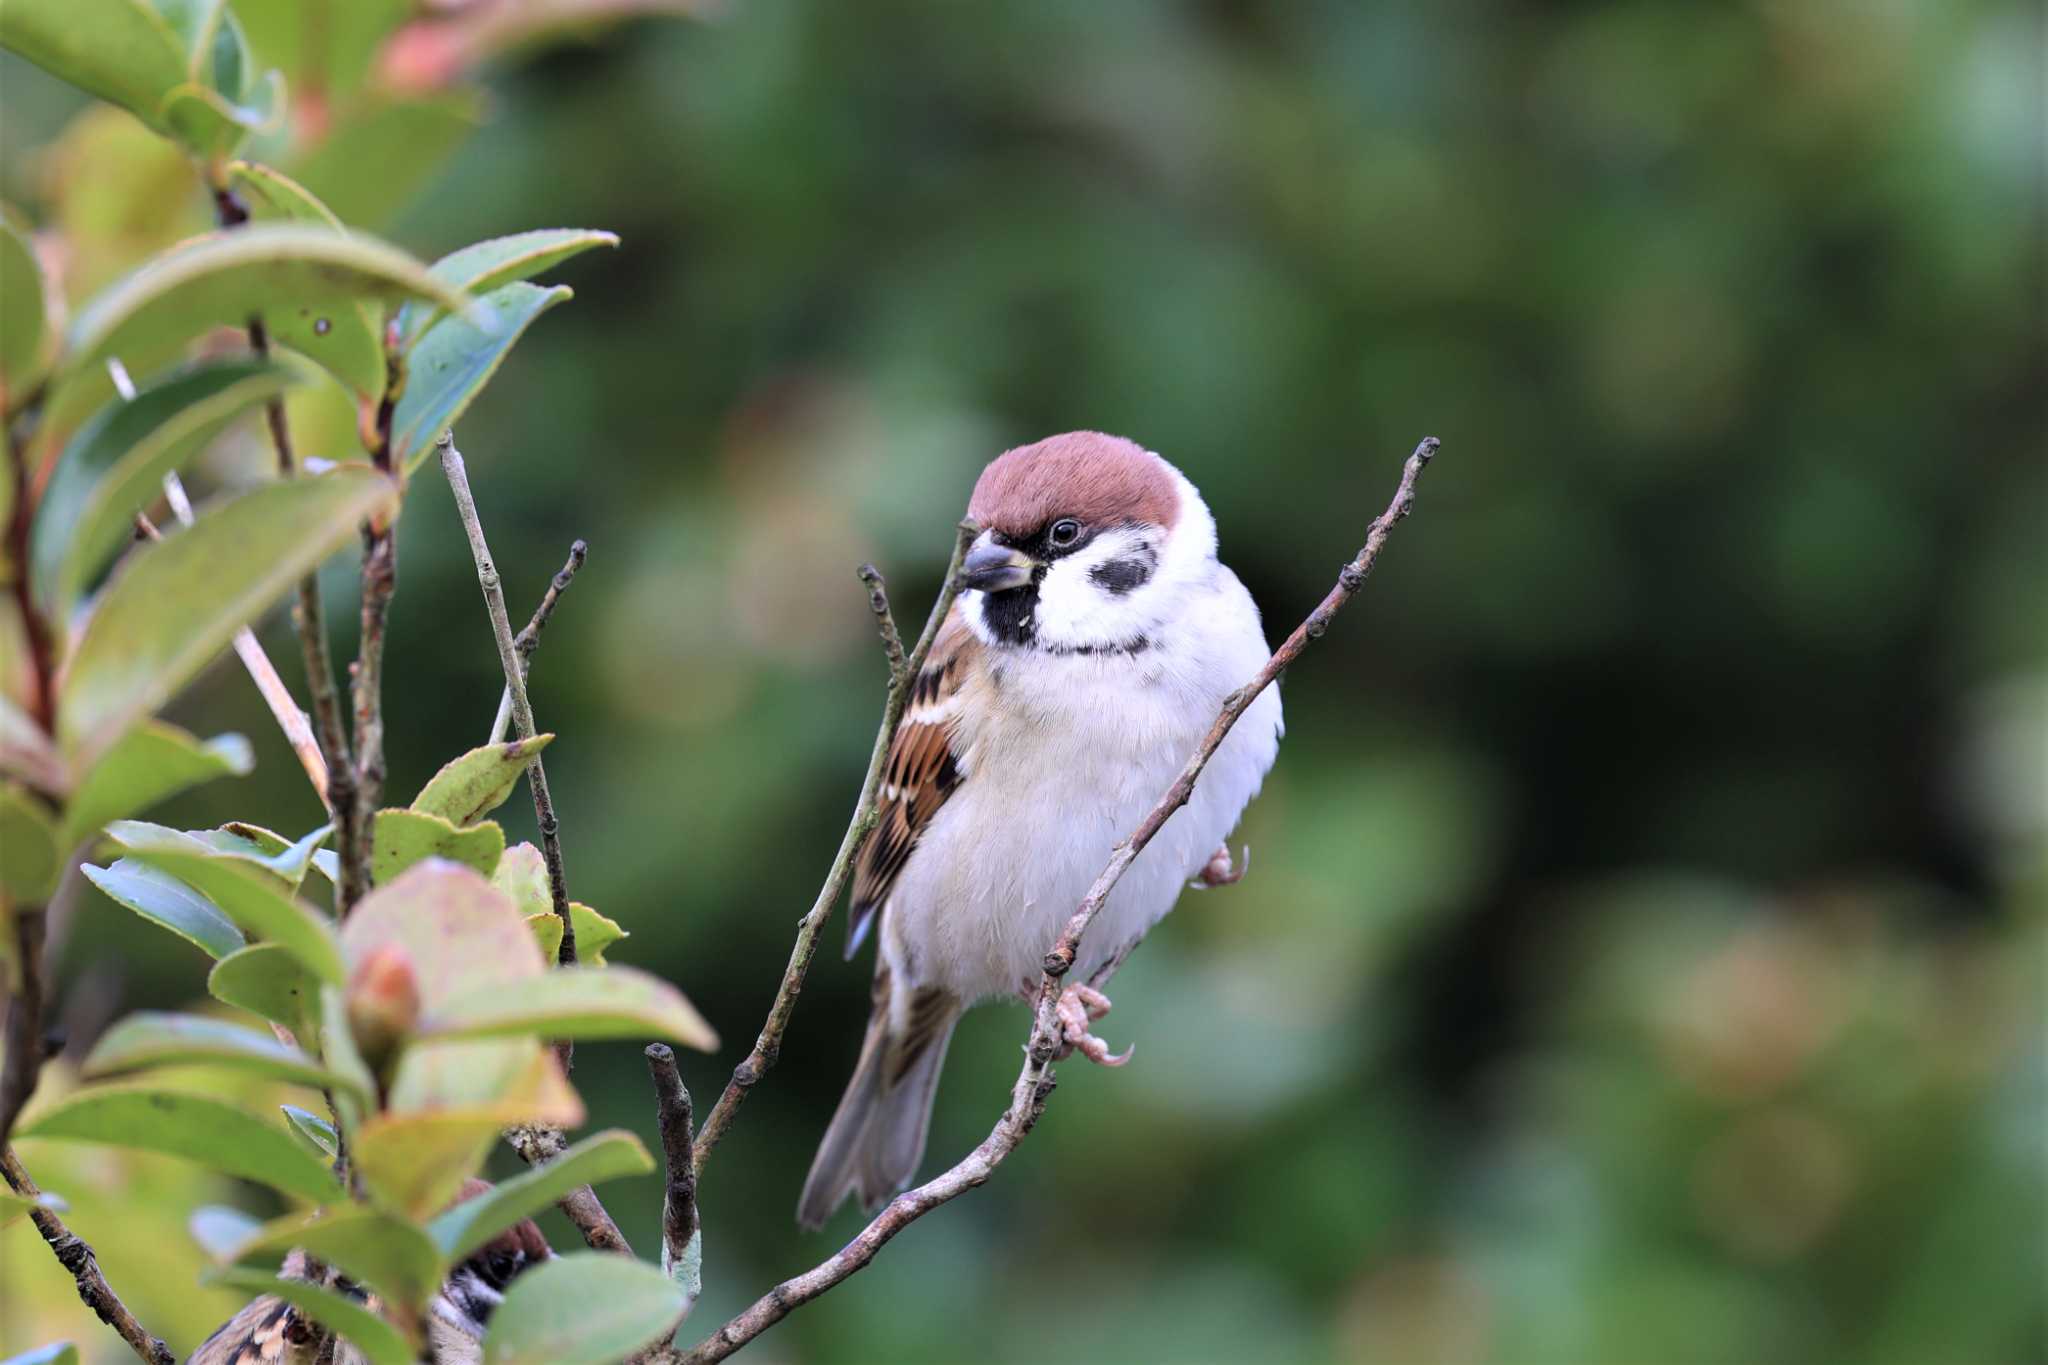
{"points": [[1065, 761]]}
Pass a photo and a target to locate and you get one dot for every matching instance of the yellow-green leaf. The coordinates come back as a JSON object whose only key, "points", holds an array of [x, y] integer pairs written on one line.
{"points": [[602, 1156], [149, 1039], [586, 1308], [180, 601], [31, 857], [575, 1002], [150, 764], [388, 1254], [594, 932], [379, 1342], [114, 467], [22, 305], [472, 786], [194, 1127], [224, 278], [404, 837], [267, 979]]}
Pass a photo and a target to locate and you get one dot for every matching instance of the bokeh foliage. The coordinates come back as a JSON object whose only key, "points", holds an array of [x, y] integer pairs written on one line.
{"points": [[1642, 955]]}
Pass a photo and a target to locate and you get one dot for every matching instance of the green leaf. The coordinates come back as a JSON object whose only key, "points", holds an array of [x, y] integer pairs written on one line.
{"points": [[149, 765], [523, 876], [115, 465], [455, 358], [388, 1254], [603, 1156], [22, 328], [28, 835], [379, 1342], [285, 859], [586, 1308], [338, 1049], [180, 601], [482, 266], [121, 50], [594, 932], [404, 837], [270, 194], [315, 1131], [224, 278], [219, 1229], [56, 1353], [217, 105], [267, 979], [575, 1002], [329, 47], [25, 751], [162, 899], [415, 1163], [253, 900], [150, 1039], [215, 1135], [472, 786], [407, 140]]}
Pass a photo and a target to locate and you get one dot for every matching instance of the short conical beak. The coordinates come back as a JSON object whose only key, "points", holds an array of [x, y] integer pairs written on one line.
{"points": [[990, 567]]}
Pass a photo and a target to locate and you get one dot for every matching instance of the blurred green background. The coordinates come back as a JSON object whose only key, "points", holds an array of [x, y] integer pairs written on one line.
{"points": [[1642, 960]]}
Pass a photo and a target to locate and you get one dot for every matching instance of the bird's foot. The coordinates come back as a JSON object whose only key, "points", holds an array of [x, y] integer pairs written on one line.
{"points": [[1219, 870], [1078, 1007]]}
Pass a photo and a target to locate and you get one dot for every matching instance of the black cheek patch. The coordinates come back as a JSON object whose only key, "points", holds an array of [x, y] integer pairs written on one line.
{"points": [[1120, 576]]}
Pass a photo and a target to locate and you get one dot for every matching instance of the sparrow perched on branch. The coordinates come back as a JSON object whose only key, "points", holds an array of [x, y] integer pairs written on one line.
{"points": [[272, 1332], [1094, 639]]}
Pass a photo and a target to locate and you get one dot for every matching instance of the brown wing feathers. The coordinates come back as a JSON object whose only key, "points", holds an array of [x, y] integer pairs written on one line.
{"points": [[921, 772]]}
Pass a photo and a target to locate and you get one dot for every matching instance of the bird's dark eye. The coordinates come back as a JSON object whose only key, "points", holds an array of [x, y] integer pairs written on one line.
{"points": [[1064, 533]]}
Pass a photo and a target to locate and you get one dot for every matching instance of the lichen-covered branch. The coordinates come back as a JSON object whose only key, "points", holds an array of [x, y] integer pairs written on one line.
{"points": [[1035, 1082], [77, 1258], [902, 674]]}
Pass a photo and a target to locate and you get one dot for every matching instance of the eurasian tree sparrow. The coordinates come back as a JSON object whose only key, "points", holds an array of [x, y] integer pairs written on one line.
{"points": [[272, 1332], [1095, 637]]}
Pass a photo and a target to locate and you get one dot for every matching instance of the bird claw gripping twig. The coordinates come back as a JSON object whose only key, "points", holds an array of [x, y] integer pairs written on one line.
{"points": [[1219, 871], [1079, 1006]]}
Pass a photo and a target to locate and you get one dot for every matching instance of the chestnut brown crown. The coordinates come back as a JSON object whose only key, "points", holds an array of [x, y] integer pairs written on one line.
{"points": [[1097, 479]]}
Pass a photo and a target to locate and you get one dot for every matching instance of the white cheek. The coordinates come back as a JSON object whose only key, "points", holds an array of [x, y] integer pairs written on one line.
{"points": [[1074, 610]]}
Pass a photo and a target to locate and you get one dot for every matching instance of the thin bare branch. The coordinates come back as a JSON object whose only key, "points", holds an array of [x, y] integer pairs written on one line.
{"points": [[769, 1045], [1035, 1082], [515, 682], [527, 641], [581, 1206], [885, 622], [77, 1258]]}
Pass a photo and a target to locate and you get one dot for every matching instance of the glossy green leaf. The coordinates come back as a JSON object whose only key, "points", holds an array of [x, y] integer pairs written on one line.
{"points": [[472, 786], [269, 194], [388, 1254], [602, 1156], [219, 1229], [404, 837], [315, 1131], [482, 266], [455, 358], [120, 50], [180, 601], [149, 1039], [256, 903], [594, 932], [286, 859], [195, 1127], [34, 857], [115, 465], [150, 764], [379, 1342], [224, 278], [586, 1308], [162, 899], [222, 99], [575, 1002], [267, 979], [22, 329]]}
